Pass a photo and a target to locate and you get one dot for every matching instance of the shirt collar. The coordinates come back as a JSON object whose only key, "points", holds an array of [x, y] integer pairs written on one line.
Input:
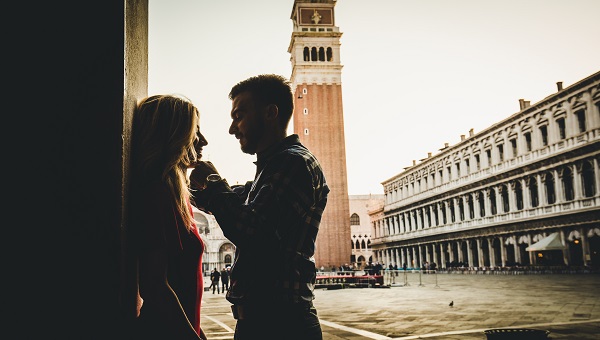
{"points": [[264, 156]]}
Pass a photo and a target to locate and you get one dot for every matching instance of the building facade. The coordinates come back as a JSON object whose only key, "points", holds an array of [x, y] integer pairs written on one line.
{"points": [[219, 252], [360, 228], [484, 201], [318, 117]]}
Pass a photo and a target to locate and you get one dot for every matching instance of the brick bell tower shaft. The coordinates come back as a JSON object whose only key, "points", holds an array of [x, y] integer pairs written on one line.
{"points": [[319, 119]]}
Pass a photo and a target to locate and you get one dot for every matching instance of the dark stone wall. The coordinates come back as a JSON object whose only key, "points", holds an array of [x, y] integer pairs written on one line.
{"points": [[80, 67]]}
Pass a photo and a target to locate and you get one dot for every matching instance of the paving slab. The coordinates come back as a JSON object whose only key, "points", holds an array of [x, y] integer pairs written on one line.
{"points": [[567, 305]]}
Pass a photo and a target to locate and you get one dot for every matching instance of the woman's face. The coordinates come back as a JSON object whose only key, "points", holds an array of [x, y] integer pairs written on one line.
{"points": [[199, 142]]}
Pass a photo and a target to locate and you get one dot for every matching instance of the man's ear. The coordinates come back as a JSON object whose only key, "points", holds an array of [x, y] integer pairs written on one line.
{"points": [[272, 111]]}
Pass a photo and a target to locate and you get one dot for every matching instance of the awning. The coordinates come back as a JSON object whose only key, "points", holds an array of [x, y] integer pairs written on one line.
{"points": [[551, 242]]}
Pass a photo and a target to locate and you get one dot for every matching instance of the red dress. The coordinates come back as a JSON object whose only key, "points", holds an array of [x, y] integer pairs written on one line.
{"points": [[161, 226]]}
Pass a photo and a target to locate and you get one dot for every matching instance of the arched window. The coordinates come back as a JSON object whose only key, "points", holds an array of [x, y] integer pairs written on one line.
{"points": [[354, 219], [481, 200], [505, 203], [588, 180], [452, 214], [444, 219], [321, 54], [357, 245], [493, 201], [519, 194], [461, 209], [533, 192], [471, 206], [368, 244], [567, 178], [329, 54], [313, 54], [306, 54], [549, 186]]}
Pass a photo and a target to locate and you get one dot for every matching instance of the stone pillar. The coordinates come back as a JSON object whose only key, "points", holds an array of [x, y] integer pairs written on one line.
{"points": [[502, 251], [459, 252], [480, 259], [584, 246], [566, 252], [491, 251], [577, 183], [434, 254], [413, 257], [558, 187], [450, 252], [596, 175], [517, 250], [427, 253], [532, 259], [476, 207], [512, 204], [526, 194], [469, 253], [499, 207], [487, 202], [443, 256], [541, 190], [403, 257]]}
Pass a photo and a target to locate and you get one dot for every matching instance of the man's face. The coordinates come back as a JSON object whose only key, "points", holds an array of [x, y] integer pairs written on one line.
{"points": [[247, 124]]}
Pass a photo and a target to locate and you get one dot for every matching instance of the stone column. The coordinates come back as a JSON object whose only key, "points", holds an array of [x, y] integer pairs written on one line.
{"points": [[558, 187], [584, 246], [443, 256], [512, 204], [403, 257], [480, 259], [469, 253], [532, 259], [448, 213], [459, 252], [541, 190], [517, 250], [499, 207], [491, 252], [476, 207], [414, 257], [566, 252], [596, 175], [450, 252], [526, 195], [434, 253], [502, 251], [577, 183], [427, 253], [487, 202]]}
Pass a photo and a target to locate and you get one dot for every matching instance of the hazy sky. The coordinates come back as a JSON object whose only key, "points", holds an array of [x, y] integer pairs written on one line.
{"points": [[416, 74]]}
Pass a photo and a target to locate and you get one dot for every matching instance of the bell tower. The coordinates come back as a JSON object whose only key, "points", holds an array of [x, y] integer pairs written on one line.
{"points": [[319, 119]]}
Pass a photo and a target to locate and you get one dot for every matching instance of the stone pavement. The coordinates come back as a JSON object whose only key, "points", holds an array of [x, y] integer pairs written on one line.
{"points": [[566, 305]]}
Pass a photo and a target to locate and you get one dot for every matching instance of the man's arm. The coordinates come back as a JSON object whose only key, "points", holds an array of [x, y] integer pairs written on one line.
{"points": [[284, 187]]}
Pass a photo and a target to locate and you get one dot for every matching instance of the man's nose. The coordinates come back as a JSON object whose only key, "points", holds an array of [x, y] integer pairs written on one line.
{"points": [[232, 128]]}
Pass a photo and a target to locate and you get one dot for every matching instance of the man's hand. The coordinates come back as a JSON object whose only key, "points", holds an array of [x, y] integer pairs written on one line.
{"points": [[198, 175]]}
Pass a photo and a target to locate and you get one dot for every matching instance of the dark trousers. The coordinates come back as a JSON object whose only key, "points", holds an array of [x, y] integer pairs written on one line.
{"points": [[215, 285], [277, 321]]}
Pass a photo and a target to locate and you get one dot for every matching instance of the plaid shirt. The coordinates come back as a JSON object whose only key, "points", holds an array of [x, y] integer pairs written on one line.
{"points": [[273, 223]]}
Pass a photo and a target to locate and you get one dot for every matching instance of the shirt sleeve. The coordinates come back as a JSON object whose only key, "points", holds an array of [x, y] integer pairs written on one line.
{"points": [[283, 192]]}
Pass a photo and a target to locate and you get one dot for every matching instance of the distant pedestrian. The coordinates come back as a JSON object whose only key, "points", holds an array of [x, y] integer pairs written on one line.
{"points": [[225, 279], [214, 279]]}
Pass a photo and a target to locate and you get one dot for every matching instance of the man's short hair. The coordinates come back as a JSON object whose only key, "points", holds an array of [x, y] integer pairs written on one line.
{"points": [[268, 89]]}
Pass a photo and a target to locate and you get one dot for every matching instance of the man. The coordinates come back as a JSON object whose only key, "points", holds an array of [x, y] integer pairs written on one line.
{"points": [[225, 279], [214, 280], [275, 219]]}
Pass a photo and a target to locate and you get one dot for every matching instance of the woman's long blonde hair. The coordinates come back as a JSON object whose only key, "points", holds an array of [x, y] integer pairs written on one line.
{"points": [[162, 146]]}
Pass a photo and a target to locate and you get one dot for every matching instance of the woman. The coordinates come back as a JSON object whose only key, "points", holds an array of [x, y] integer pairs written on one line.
{"points": [[166, 141]]}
